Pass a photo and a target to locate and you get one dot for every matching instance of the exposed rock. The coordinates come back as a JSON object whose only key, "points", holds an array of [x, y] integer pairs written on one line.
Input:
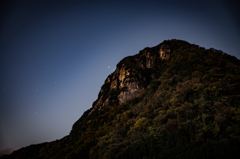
{"points": [[124, 83], [97, 105], [150, 60], [164, 52], [133, 89], [122, 74], [141, 65], [108, 80], [105, 103], [114, 84]]}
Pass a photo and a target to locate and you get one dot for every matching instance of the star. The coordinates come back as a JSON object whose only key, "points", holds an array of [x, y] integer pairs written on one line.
{"points": [[108, 66]]}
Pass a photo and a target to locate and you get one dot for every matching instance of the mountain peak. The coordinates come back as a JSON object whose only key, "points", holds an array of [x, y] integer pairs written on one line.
{"points": [[174, 100], [132, 75]]}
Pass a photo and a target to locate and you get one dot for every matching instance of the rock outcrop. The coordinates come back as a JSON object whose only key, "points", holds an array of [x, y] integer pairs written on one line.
{"points": [[164, 52], [130, 77]]}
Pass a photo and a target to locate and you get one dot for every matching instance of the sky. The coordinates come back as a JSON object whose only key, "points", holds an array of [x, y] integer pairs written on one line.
{"points": [[56, 54]]}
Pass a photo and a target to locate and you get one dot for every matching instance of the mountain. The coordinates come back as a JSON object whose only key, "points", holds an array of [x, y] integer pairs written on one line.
{"points": [[174, 100], [7, 151]]}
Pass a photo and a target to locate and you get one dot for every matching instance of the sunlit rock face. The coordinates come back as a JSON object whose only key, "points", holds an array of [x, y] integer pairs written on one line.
{"points": [[164, 52], [118, 88], [126, 82], [133, 89], [123, 72], [150, 59]]}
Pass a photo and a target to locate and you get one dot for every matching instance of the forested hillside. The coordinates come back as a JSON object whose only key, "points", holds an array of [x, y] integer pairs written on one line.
{"points": [[175, 100]]}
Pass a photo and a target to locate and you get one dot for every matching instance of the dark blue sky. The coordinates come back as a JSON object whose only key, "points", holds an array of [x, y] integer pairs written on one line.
{"points": [[55, 55]]}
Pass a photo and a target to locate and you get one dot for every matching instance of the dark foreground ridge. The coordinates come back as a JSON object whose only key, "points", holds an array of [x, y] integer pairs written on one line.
{"points": [[174, 100]]}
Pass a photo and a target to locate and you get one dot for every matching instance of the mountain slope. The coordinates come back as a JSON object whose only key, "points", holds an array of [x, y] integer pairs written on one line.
{"points": [[175, 100]]}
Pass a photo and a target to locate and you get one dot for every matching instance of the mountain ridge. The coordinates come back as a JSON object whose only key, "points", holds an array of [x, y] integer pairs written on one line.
{"points": [[174, 100]]}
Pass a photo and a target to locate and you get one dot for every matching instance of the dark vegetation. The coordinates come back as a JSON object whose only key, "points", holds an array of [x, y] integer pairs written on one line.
{"points": [[190, 110]]}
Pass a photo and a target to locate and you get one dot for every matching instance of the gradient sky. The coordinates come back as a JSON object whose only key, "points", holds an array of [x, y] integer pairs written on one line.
{"points": [[56, 54]]}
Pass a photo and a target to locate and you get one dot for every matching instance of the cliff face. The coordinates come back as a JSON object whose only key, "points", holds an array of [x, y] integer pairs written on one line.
{"points": [[127, 82]]}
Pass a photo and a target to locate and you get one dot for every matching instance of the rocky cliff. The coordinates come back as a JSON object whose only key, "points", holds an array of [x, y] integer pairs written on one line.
{"points": [[131, 76]]}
